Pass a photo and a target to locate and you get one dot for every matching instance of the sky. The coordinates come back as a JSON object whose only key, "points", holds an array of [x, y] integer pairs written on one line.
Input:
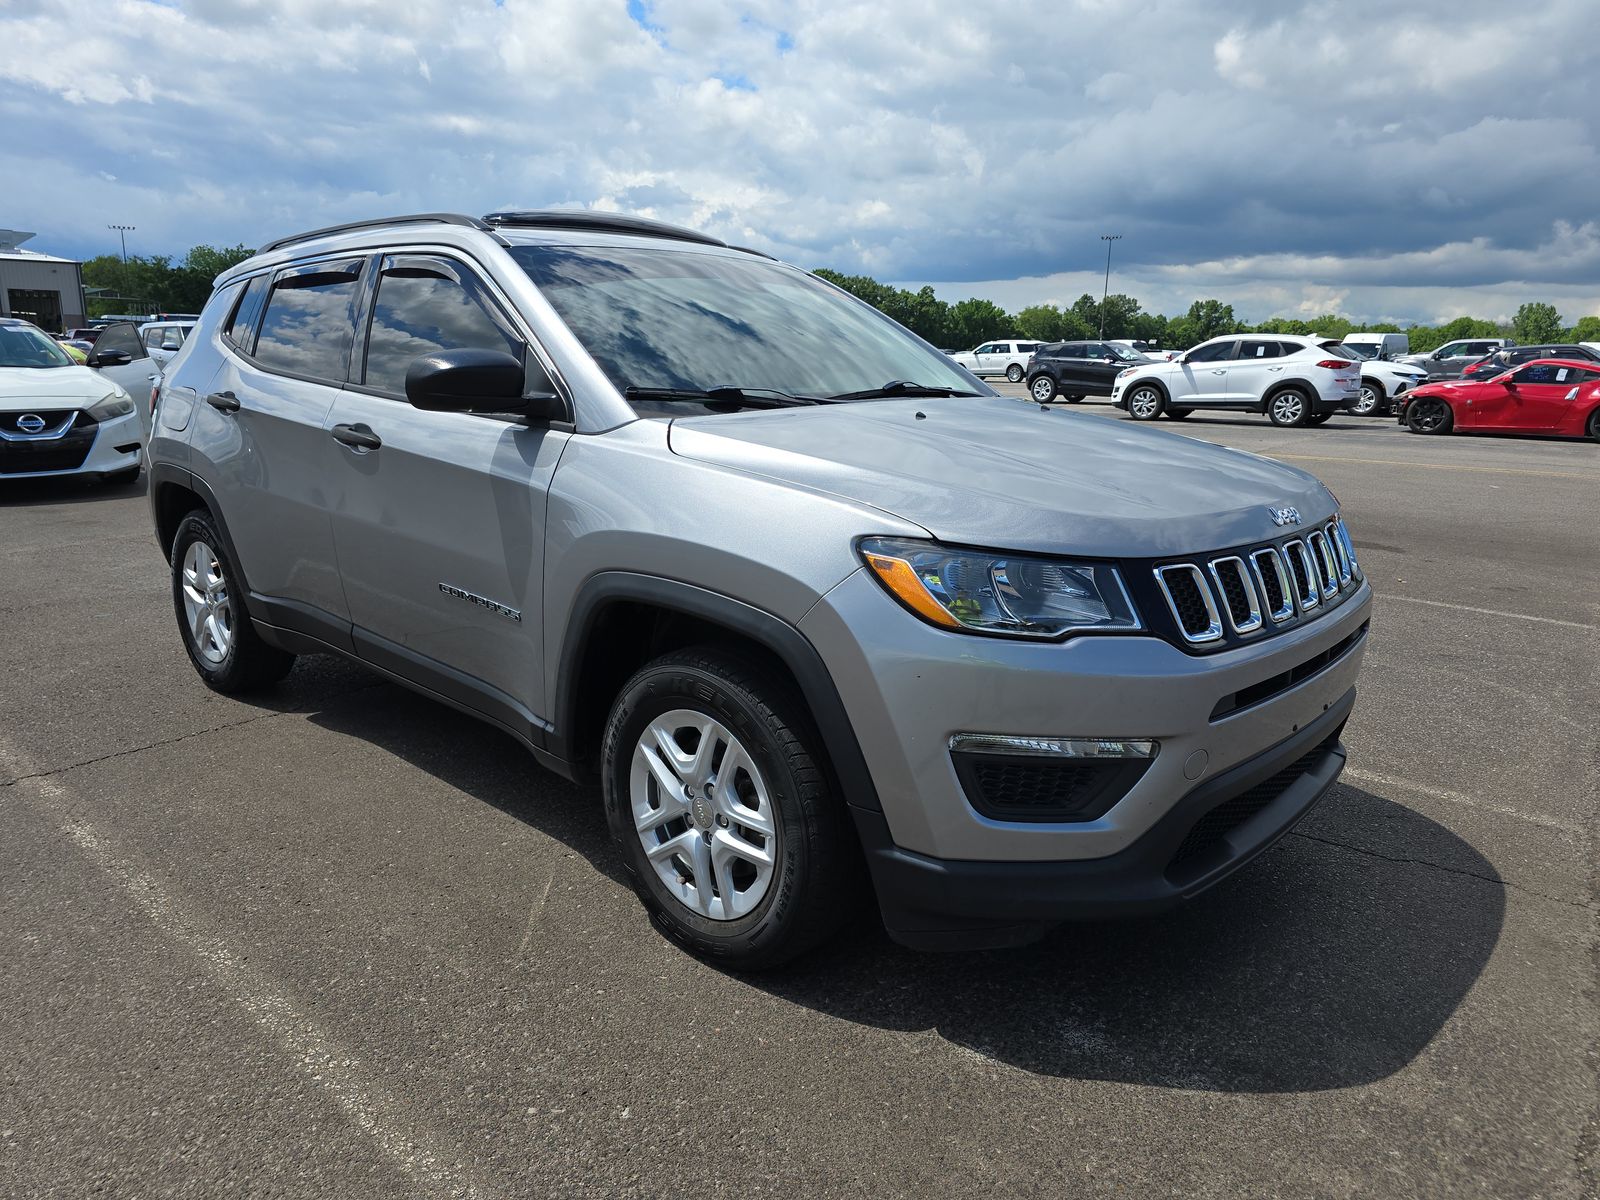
{"points": [[1382, 162]]}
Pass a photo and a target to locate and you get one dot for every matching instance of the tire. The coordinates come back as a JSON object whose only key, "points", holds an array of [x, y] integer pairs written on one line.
{"points": [[1289, 408], [1042, 388], [1014, 373], [1075, 398], [122, 478], [1146, 402], [212, 620], [1178, 414], [811, 880], [1594, 425], [1373, 402], [1429, 414], [1319, 418]]}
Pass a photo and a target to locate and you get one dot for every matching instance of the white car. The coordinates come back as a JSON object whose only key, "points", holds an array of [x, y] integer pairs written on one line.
{"points": [[1382, 383], [1008, 358], [59, 418], [163, 339], [1294, 380]]}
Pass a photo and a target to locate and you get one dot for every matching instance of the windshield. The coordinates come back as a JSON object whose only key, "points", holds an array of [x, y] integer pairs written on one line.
{"points": [[1124, 353], [24, 346], [689, 321]]}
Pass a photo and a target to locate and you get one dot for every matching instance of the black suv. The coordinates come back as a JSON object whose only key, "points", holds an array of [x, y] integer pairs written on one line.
{"points": [[1491, 365], [1073, 370]]}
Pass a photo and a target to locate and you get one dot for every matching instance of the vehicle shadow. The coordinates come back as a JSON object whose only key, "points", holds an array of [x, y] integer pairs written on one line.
{"points": [[1330, 962], [67, 489]]}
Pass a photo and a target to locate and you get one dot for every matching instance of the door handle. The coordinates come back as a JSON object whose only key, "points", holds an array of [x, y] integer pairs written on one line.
{"points": [[1220, 371], [223, 402], [357, 437]]}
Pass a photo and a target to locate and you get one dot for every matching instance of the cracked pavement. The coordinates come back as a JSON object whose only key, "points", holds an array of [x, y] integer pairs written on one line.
{"points": [[345, 941]]}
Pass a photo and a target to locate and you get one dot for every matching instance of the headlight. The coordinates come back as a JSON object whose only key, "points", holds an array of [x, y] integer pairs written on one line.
{"points": [[986, 592], [117, 404]]}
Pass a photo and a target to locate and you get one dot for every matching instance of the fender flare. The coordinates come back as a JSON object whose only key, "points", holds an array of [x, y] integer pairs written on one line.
{"points": [[773, 633]]}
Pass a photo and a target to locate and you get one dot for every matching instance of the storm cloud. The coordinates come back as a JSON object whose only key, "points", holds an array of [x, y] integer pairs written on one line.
{"points": [[1287, 157]]}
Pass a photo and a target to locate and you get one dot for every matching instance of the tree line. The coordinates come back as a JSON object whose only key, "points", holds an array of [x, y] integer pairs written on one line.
{"points": [[156, 283], [966, 323]]}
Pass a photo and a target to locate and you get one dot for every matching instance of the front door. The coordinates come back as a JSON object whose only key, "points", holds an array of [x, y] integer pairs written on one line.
{"points": [[1257, 364], [440, 527], [1537, 400], [1204, 376]]}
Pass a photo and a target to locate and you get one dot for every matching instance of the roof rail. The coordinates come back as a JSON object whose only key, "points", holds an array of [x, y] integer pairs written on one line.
{"points": [[599, 222], [439, 218]]}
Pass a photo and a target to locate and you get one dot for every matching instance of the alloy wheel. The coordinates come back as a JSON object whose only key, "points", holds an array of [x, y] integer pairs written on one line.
{"points": [[1427, 415], [1287, 408], [704, 814], [1368, 402], [206, 603], [1044, 390], [1144, 403]]}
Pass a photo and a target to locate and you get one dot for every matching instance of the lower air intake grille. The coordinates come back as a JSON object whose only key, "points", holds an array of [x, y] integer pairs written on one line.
{"points": [[1034, 788], [1230, 814]]}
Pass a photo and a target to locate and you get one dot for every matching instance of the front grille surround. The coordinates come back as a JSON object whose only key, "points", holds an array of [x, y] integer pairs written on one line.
{"points": [[1238, 592], [1327, 565], [1239, 595], [1189, 598], [1276, 586]]}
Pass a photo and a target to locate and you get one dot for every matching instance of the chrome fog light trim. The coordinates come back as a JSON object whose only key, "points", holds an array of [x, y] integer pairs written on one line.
{"points": [[1053, 747]]}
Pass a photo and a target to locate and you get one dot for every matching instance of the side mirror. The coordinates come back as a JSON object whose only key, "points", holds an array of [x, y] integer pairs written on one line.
{"points": [[109, 358], [488, 381]]}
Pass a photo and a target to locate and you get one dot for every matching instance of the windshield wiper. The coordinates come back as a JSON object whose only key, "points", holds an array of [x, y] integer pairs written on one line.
{"points": [[899, 387], [723, 394]]}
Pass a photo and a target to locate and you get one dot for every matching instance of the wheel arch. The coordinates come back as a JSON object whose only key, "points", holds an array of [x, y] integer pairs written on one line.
{"points": [[620, 620], [1284, 385], [174, 494]]}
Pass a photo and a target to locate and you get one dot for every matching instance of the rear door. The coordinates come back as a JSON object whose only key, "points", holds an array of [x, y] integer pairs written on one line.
{"points": [[440, 527], [119, 354], [1257, 364], [259, 430]]}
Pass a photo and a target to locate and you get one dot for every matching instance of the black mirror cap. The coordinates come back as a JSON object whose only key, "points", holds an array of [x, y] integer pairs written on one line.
{"points": [[109, 358], [478, 380]]}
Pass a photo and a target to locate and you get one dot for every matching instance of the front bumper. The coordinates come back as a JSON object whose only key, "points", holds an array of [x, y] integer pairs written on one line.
{"points": [[101, 449], [943, 904]]}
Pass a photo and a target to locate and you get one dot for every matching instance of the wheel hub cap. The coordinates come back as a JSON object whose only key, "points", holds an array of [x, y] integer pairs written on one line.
{"points": [[206, 603], [704, 815]]}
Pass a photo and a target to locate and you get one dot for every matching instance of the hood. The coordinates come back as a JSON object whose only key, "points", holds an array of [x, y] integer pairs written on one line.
{"points": [[23, 388], [1005, 474]]}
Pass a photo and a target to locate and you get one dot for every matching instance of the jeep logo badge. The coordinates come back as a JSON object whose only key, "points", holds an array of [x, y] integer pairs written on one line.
{"points": [[30, 422], [1285, 516]]}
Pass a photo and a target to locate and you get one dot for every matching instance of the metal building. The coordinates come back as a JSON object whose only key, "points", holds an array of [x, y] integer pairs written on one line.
{"points": [[39, 287]]}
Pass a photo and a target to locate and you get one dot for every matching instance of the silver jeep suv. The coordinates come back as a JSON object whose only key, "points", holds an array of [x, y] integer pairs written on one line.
{"points": [[814, 606]]}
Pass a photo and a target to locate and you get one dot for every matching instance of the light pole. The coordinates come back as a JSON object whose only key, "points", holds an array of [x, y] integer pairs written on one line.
{"points": [[1107, 238], [122, 232]]}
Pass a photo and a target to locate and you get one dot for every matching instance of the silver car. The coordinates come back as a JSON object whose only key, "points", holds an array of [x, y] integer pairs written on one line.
{"points": [[814, 606]]}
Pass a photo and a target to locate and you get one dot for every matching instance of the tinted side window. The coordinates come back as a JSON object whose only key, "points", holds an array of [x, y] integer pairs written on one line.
{"points": [[1261, 350], [424, 306], [308, 327], [1215, 352], [1071, 350], [241, 326], [121, 337]]}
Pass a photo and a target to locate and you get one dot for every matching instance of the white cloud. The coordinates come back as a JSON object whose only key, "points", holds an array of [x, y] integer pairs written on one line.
{"points": [[1316, 153]]}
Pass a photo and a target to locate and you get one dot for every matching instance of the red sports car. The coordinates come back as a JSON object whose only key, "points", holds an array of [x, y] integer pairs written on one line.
{"points": [[1552, 396]]}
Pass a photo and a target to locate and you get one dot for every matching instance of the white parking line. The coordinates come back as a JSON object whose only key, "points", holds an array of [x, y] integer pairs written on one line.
{"points": [[333, 1067], [1437, 793], [1489, 612]]}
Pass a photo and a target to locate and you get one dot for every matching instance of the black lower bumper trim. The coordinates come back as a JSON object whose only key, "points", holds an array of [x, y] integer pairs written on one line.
{"points": [[947, 904]]}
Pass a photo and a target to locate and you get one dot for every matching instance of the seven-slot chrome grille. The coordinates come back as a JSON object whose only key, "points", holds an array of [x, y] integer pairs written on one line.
{"points": [[1254, 591]]}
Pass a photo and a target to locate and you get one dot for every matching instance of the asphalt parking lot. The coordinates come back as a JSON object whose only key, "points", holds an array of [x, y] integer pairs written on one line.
{"points": [[345, 942]]}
